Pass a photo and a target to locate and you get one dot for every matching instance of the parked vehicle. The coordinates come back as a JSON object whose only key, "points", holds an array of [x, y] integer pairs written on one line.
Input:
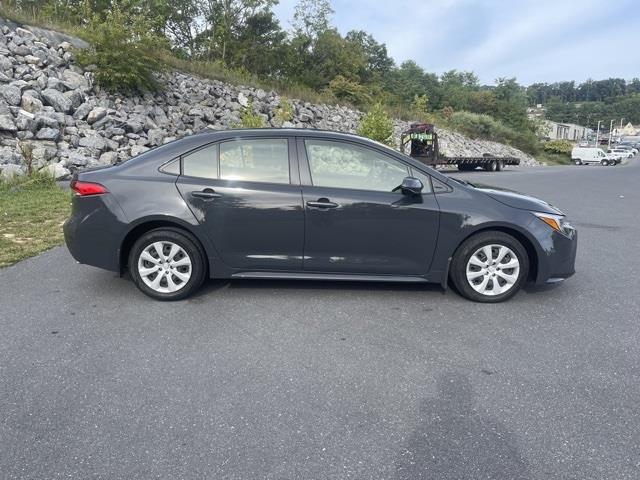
{"points": [[420, 141], [620, 152], [592, 155], [631, 148], [302, 204]]}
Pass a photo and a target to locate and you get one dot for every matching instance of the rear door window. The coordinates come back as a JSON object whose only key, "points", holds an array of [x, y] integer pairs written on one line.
{"points": [[255, 160]]}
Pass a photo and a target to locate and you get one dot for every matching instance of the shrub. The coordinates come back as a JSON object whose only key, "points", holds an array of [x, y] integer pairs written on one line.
{"points": [[377, 125], [123, 50], [250, 119], [284, 112], [559, 146], [347, 90], [486, 127]]}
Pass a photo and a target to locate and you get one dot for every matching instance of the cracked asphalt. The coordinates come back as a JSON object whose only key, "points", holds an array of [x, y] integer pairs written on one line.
{"points": [[288, 380]]}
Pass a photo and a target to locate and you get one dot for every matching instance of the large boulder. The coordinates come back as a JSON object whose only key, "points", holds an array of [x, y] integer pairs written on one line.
{"points": [[7, 124], [57, 171], [11, 94], [74, 80], [30, 103], [57, 100], [96, 114], [94, 143], [52, 134]]}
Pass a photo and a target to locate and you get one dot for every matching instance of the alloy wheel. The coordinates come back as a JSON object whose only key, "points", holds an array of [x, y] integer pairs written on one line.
{"points": [[493, 270], [164, 266]]}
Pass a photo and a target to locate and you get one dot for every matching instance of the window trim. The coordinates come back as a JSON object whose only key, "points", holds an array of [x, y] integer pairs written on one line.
{"points": [[305, 167], [294, 173]]}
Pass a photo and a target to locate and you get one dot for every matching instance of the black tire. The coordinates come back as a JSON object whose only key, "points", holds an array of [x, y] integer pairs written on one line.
{"points": [[458, 269], [491, 166], [578, 161], [198, 268], [604, 163], [499, 166]]}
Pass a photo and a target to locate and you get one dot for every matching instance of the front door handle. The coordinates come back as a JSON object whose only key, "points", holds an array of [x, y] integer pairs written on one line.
{"points": [[322, 203], [207, 194]]}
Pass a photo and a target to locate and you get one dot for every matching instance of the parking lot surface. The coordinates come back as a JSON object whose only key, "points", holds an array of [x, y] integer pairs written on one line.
{"points": [[287, 380]]}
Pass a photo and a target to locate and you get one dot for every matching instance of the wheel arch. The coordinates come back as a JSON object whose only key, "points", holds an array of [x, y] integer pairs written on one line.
{"points": [[152, 223], [526, 242]]}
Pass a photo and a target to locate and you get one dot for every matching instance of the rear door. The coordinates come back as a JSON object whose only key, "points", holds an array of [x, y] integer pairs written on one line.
{"points": [[246, 194], [354, 222]]}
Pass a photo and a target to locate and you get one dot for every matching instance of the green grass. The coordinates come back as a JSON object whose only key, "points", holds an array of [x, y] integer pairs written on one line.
{"points": [[32, 210], [553, 158]]}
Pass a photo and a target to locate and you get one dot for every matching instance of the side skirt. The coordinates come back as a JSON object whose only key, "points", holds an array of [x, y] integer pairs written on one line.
{"points": [[331, 276]]}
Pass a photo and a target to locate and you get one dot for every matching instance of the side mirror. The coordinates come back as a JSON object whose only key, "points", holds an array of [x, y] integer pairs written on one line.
{"points": [[410, 186]]}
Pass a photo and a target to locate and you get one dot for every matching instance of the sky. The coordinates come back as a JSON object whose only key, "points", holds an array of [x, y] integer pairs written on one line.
{"points": [[534, 41]]}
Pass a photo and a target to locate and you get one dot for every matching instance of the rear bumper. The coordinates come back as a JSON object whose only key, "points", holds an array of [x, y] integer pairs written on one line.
{"points": [[93, 233]]}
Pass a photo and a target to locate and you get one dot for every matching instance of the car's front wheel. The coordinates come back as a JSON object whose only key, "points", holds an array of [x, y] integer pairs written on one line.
{"points": [[490, 267], [166, 264]]}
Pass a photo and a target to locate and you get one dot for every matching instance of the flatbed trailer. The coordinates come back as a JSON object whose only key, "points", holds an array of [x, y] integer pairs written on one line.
{"points": [[420, 141]]}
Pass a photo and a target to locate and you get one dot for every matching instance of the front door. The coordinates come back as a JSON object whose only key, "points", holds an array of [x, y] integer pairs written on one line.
{"points": [[242, 194], [354, 222]]}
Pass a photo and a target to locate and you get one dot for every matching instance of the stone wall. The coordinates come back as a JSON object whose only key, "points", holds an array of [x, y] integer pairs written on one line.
{"points": [[54, 117]]}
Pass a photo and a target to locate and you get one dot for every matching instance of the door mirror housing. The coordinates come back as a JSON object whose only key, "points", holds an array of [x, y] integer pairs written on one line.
{"points": [[410, 186]]}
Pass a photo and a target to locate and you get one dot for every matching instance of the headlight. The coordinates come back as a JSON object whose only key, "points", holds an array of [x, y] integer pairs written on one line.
{"points": [[557, 222]]}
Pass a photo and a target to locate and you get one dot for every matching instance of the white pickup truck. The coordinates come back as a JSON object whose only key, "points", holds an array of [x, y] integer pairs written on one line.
{"points": [[593, 155]]}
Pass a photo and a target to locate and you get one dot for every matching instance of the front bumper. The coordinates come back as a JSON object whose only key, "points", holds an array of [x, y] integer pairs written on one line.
{"points": [[558, 258]]}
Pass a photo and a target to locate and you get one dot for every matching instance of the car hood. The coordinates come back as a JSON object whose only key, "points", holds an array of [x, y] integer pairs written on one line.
{"points": [[517, 200]]}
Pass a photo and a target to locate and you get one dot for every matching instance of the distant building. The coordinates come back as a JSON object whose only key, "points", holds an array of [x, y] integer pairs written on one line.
{"points": [[565, 131], [536, 112], [628, 130], [558, 131]]}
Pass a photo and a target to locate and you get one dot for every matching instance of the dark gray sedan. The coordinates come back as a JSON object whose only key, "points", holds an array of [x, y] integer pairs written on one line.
{"points": [[305, 204]]}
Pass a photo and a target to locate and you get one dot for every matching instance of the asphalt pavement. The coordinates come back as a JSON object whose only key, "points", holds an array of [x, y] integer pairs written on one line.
{"points": [[295, 380]]}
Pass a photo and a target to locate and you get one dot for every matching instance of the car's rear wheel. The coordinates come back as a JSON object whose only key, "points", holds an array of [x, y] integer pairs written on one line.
{"points": [[578, 162], [166, 265], [490, 267]]}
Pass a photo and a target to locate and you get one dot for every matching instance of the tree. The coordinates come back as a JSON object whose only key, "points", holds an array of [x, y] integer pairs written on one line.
{"points": [[226, 19], [311, 18], [378, 63], [259, 46]]}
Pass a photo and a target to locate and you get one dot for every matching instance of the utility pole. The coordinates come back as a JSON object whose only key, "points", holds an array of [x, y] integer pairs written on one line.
{"points": [[620, 134], [598, 133], [610, 132]]}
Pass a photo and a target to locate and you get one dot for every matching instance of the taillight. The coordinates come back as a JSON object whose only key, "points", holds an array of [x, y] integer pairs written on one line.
{"points": [[84, 189]]}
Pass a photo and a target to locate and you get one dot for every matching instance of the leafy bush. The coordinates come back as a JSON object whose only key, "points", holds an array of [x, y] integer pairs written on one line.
{"points": [[348, 90], [123, 50], [284, 112], [250, 119], [485, 127], [377, 125], [559, 146]]}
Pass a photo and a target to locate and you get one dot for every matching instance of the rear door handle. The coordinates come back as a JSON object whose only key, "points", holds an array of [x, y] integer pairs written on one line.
{"points": [[322, 203], [207, 193]]}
